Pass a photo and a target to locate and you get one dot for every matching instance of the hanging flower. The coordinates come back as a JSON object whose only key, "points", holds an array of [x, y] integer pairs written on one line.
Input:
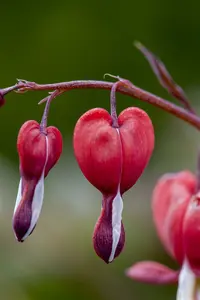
{"points": [[176, 213], [38, 153], [112, 157]]}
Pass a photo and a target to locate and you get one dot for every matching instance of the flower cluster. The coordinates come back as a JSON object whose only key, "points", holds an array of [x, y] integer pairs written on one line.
{"points": [[112, 152]]}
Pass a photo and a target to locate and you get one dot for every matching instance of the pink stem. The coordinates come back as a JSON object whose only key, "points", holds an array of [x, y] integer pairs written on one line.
{"points": [[43, 124]]}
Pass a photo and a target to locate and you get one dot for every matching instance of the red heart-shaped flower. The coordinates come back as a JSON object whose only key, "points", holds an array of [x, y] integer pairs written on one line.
{"points": [[38, 153], [112, 159]]}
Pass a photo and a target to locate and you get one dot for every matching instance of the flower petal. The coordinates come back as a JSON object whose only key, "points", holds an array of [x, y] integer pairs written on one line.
{"points": [[109, 235], [36, 205], [28, 207], [186, 283], [117, 207], [191, 234], [19, 195], [28, 204], [170, 200], [152, 272]]}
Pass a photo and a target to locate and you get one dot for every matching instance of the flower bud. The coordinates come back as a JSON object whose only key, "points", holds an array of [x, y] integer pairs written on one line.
{"points": [[38, 153], [112, 159]]}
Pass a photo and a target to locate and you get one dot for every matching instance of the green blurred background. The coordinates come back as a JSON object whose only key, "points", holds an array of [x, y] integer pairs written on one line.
{"points": [[45, 42]]}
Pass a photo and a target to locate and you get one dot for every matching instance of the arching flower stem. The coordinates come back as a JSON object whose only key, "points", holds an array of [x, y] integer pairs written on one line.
{"points": [[128, 89]]}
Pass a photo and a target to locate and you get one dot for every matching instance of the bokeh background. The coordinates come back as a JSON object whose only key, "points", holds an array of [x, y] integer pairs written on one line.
{"points": [[47, 41]]}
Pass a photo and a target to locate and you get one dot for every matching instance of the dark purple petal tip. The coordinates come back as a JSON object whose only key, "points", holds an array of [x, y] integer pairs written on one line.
{"points": [[2, 99]]}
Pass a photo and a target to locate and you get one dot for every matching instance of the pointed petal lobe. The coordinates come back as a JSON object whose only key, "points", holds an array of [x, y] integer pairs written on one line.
{"points": [[109, 235], [152, 272]]}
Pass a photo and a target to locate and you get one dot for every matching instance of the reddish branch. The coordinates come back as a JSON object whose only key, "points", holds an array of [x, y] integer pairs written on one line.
{"points": [[127, 89]]}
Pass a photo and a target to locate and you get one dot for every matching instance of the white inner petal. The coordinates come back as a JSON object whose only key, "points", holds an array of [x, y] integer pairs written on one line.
{"points": [[117, 207], [19, 195], [186, 283], [37, 198]]}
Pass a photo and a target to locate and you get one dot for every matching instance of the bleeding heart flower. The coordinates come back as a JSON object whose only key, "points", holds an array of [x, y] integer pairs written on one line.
{"points": [[176, 213], [112, 159], [38, 153]]}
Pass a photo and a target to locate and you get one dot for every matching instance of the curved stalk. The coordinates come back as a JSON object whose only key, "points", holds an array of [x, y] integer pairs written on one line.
{"points": [[127, 89]]}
